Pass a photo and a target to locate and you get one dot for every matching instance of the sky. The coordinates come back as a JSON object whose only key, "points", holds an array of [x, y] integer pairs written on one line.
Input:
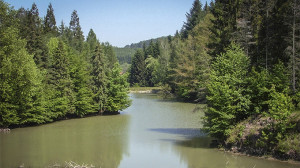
{"points": [[119, 22]]}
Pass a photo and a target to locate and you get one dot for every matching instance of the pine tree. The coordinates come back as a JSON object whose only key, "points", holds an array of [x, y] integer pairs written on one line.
{"points": [[206, 8], [80, 75], [32, 33], [292, 21], [228, 101], [244, 34], [61, 29], [110, 55], [77, 37], [224, 24], [193, 18], [100, 78], [92, 40], [117, 91], [137, 69], [189, 64], [62, 97], [49, 21]]}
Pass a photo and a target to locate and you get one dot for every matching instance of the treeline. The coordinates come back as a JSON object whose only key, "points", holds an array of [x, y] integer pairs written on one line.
{"points": [[145, 42], [49, 73], [241, 58]]}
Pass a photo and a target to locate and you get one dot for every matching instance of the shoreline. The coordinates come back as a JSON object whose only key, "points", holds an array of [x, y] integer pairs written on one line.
{"points": [[266, 157], [145, 90], [69, 117]]}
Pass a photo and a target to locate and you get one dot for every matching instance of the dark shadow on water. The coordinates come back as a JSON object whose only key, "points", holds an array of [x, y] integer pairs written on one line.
{"points": [[186, 132], [198, 142], [194, 138]]}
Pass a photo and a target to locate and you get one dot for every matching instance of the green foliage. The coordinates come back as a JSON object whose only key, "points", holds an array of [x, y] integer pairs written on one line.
{"points": [[20, 99], [189, 63], [224, 24], [49, 21], [60, 82], [45, 78], [81, 80], [193, 18], [290, 144], [76, 34], [110, 55], [137, 69], [117, 91], [92, 40], [280, 107], [99, 75], [228, 102], [124, 55]]}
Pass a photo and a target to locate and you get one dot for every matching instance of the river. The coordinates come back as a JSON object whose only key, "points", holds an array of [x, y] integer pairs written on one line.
{"points": [[152, 133]]}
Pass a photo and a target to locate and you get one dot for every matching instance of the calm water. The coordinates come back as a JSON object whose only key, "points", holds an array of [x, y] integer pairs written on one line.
{"points": [[152, 133]]}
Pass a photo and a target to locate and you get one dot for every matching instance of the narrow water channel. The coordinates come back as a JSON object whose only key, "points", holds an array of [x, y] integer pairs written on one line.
{"points": [[152, 133]]}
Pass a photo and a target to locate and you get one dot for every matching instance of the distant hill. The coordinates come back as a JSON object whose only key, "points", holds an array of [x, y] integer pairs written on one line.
{"points": [[147, 42], [125, 54]]}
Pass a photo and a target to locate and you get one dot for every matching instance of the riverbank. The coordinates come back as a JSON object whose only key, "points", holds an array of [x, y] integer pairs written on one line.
{"points": [[153, 90], [253, 137], [67, 117]]}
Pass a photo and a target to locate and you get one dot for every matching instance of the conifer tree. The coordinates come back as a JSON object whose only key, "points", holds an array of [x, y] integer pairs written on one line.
{"points": [[193, 18], [137, 69], [92, 40], [62, 98], [224, 24], [77, 37], [61, 28], [110, 55], [32, 32], [117, 91], [80, 75], [99, 77], [228, 101], [49, 21]]}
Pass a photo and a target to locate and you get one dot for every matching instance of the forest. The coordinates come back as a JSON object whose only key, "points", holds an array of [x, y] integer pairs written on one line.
{"points": [[49, 73], [241, 58]]}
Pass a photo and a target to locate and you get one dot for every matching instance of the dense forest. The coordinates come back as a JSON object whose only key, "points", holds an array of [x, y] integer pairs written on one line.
{"points": [[49, 73], [125, 54], [144, 42], [241, 58]]}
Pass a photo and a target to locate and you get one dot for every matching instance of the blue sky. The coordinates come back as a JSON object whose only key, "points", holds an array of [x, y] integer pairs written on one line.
{"points": [[120, 22]]}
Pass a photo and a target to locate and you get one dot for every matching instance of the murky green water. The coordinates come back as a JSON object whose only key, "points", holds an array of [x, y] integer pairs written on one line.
{"points": [[152, 133]]}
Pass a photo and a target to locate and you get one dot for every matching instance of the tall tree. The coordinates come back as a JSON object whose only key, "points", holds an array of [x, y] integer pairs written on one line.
{"points": [[99, 75], [77, 37], [110, 55], [32, 32], [137, 69], [62, 98], [293, 40], [117, 91], [49, 21], [92, 40], [20, 87], [81, 78], [228, 102], [193, 18], [224, 24]]}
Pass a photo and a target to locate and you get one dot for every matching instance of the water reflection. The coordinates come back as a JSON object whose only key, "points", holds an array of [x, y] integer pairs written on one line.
{"points": [[101, 141], [151, 133]]}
